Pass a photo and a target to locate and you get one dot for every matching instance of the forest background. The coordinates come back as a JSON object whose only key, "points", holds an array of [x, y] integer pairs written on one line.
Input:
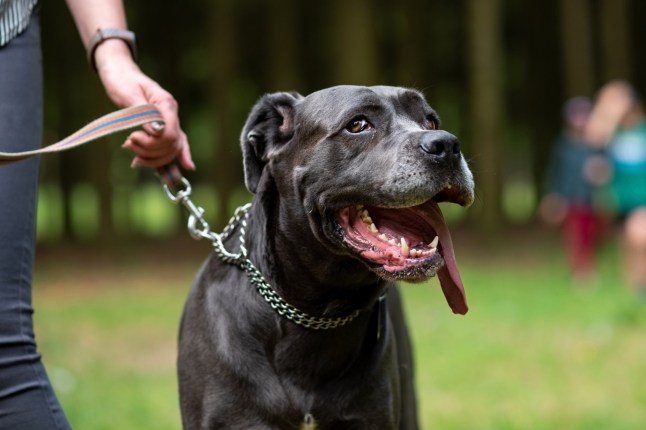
{"points": [[497, 71]]}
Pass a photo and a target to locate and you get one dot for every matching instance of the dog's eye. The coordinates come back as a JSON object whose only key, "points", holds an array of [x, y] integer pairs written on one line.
{"points": [[431, 122], [358, 124]]}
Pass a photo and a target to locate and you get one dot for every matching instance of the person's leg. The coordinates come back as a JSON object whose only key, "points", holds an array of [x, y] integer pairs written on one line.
{"points": [[580, 230], [588, 241], [635, 250], [572, 241], [27, 400]]}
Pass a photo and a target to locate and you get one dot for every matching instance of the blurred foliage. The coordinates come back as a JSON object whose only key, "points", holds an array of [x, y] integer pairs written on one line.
{"points": [[497, 71]]}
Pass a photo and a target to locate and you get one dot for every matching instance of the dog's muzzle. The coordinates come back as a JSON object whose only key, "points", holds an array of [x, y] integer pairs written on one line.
{"points": [[410, 244]]}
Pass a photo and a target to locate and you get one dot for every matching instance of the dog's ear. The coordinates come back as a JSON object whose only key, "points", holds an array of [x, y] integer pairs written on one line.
{"points": [[270, 124]]}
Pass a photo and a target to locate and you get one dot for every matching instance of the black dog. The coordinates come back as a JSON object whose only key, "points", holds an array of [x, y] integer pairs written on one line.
{"points": [[302, 327]]}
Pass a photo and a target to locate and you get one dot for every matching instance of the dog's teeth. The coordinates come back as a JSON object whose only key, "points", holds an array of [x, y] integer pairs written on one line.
{"points": [[415, 253], [365, 216], [383, 237], [373, 228], [404, 247], [434, 243], [392, 242]]}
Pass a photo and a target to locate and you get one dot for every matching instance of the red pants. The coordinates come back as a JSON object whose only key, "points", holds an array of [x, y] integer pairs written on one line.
{"points": [[582, 230]]}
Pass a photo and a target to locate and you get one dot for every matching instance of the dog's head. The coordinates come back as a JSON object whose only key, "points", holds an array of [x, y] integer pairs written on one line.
{"points": [[364, 169]]}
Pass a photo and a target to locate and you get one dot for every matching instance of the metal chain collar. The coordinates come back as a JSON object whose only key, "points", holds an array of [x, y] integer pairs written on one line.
{"points": [[198, 228]]}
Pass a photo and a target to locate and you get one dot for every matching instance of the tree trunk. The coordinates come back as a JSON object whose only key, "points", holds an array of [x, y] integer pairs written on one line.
{"points": [[541, 97], [615, 40], [284, 71], [578, 63], [225, 165], [413, 49], [353, 42], [483, 17]]}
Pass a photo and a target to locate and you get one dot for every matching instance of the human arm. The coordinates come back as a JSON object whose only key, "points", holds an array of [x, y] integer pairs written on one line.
{"points": [[127, 85]]}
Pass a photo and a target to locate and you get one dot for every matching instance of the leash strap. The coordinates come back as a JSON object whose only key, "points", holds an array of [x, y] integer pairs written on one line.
{"points": [[171, 177], [111, 123]]}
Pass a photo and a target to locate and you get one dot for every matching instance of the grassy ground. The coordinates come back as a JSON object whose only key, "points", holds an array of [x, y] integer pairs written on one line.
{"points": [[534, 352]]}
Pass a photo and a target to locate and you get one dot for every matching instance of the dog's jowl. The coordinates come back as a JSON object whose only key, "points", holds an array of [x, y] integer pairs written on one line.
{"points": [[296, 320]]}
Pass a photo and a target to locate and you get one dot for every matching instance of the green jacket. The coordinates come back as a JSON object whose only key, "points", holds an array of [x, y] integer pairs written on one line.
{"points": [[627, 153]]}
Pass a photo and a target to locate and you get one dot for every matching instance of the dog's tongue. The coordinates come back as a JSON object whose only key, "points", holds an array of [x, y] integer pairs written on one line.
{"points": [[448, 275]]}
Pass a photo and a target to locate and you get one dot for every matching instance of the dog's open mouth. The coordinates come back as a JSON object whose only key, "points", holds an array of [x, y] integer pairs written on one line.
{"points": [[410, 244]]}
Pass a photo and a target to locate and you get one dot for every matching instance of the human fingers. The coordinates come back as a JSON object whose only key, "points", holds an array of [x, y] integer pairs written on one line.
{"points": [[145, 145], [153, 163], [184, 155], [172, 130], [148, 152], [168, 109]]}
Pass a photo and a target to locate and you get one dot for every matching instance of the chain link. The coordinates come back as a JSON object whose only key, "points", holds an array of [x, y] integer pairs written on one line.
{"points": [[198, 228]]}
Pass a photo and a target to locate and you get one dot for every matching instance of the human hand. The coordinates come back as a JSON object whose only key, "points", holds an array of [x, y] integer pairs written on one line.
{"points": [[553, 209], [127, 85], [597, 170]]}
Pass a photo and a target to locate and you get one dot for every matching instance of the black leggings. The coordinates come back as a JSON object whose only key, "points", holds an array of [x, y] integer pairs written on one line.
{"points": [[27, 400]]}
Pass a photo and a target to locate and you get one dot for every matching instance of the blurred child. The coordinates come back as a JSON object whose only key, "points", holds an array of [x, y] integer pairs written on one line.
{"points": [[575, 171], [618, 120]]}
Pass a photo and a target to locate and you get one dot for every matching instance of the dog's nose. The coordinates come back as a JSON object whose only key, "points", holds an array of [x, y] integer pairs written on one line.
{"points": [[440, 144]]}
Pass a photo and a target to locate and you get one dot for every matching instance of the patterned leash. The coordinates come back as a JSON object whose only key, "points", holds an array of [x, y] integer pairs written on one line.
{"points": [[121, 120], [111, 123]]}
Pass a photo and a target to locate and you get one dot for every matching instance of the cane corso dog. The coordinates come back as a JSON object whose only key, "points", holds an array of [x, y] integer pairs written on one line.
{"points": [[295, 322]]}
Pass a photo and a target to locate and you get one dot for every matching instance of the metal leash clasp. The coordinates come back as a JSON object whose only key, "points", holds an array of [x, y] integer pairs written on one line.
{"points": [[180, 193], [197, 226]]}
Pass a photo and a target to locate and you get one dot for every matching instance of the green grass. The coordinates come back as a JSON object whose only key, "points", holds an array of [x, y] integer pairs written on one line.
{"points": [[534, 352]]}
